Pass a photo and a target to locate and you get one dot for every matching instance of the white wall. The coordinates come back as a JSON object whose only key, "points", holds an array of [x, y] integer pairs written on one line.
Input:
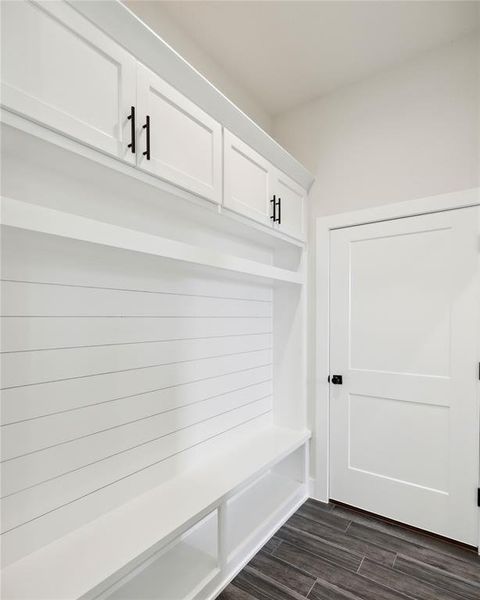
{"points": [[156, 17], [412, 131]]}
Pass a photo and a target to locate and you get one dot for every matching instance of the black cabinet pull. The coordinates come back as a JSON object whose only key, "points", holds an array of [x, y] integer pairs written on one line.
{"points": [[131, 118], [337, 379], [279, 205], [147, 127], [274, 203]]}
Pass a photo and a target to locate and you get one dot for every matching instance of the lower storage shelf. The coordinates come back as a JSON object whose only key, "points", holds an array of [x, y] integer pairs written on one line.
{"points": [[178, 575], [178, 572], [256, 510], [253, 512]]}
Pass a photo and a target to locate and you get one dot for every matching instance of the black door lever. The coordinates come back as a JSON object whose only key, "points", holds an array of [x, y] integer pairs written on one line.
{"points": [[337, 379]]}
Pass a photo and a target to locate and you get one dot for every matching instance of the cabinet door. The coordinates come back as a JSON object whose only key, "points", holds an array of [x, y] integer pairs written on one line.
{"points": [[185, 143], [247, 180], [60, 70], [291, 198]]}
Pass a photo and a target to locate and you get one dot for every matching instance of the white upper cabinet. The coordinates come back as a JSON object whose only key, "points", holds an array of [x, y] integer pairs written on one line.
{"points": [[256, 189], [247, 180], [63, 72], [290, 206], [176, 140], [60, 70]]}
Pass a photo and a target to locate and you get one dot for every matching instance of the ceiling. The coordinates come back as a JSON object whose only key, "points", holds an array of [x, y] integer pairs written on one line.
{"points": [[285, 53]]}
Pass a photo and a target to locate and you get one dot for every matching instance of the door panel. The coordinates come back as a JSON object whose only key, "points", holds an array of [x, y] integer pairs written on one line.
{"points": [[380, 426], [60, 70], [292, 198], [247, 180], [414, 306], [185, 142], [404, 425]]}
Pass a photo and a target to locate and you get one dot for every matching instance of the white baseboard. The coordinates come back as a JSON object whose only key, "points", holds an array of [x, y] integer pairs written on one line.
{"points": [[313, 491]]}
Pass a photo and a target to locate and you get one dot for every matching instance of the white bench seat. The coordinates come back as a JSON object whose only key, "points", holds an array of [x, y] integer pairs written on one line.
{"points": [[88, 560]]}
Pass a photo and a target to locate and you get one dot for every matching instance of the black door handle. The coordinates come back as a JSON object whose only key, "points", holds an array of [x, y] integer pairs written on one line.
{"points": [[274, 203], [279, 205], [131, 118], [147, 127], [337, 379]]}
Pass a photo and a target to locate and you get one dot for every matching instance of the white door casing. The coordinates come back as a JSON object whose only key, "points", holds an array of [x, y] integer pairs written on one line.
{"points": [[185, 142], [404, 298], [65, 73]]}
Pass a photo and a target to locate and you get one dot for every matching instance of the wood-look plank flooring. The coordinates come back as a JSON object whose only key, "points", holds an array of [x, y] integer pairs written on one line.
{"points": [[330, 552]]}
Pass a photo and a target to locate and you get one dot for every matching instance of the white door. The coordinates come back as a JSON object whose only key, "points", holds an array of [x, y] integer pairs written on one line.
{"points": [[247, 180], [290, 199], [61, 71], [404, 425], [180, 143]]}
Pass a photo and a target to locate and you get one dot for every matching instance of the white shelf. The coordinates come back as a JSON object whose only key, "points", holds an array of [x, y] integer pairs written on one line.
{"points": [[90, 559], [31, 217], [178, 572], [176, 575], [255, 509]]}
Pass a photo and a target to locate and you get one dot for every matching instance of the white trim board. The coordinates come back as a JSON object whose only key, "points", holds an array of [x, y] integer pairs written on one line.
{"points": [[431, 204], [122, 25], [399, 210]]}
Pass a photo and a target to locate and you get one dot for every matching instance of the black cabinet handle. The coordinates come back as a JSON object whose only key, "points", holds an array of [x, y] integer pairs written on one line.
{"points": [[337, 379], [131, 118], [147, 127], [279, 205], [274, 203]]}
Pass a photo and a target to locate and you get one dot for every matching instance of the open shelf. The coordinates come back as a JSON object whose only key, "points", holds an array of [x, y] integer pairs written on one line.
{"points": [[177, 575], [177, 572], [109, 547], [31, 217], [256, 509]]}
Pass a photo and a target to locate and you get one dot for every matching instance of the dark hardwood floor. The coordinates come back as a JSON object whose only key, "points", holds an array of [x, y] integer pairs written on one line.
{"points": [[329, 552]]}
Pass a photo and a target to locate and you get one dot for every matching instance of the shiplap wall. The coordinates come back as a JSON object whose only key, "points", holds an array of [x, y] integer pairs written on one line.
{"points": [[116, 369]]}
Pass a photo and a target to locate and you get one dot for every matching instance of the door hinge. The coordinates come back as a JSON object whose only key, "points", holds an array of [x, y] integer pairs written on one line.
{"points": [[478, 497]]}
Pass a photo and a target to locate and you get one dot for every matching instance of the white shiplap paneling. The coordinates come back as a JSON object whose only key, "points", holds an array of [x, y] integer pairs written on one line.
{"points": [[112, 368]]}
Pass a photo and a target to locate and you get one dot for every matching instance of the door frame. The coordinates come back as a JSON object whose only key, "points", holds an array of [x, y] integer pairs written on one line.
{"points": [[320, 487]]}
